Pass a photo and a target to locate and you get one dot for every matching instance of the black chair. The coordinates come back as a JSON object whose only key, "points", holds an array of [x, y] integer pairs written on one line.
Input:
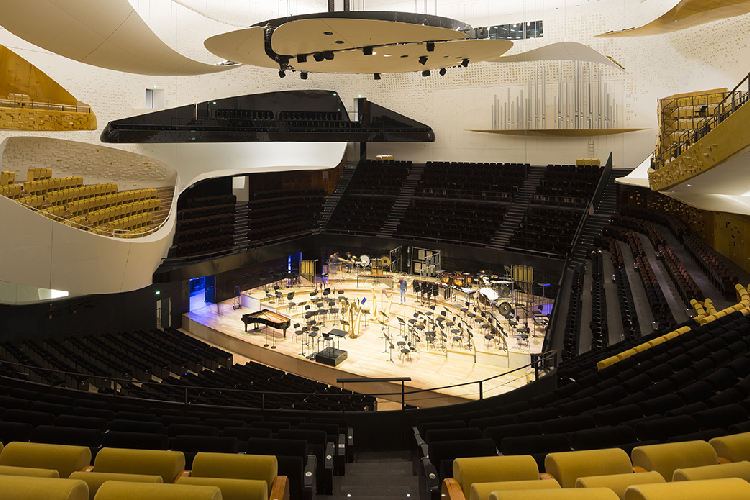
{"points": [[442, 454], [222, 423], [74, 436], [131, 415], [82, 422], [137, 426], [721, 417], [661, 429], [617, 415], [602, 437], [191, 430], [318, 445], [568, 424], [135, 440], [29, 417], [497, 434], [191, 445], [536, 446], [15, 431], [294, 462]]}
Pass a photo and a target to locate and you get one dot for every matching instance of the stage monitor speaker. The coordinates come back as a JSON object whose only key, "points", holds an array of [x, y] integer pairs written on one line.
{"points": [[331, 356]]}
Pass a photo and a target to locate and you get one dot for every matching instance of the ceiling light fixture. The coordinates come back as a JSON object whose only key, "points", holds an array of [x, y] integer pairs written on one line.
{"points": [[430, 46], [465, 63], [376, 76], [426, 72], [301, 58], [367, 51], [442, 71], [422, 60], [318, 56], [303, 75], [328, 55], [282, 74]]}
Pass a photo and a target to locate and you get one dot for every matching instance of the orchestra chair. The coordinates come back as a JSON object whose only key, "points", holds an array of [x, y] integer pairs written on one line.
{"points": [[734, 448], [719, 471], [94, 480], [121, 490], [619, 483], [65, 459], [568, 466], [166, 464], [42, 488], [556, 494], [668, 457], [725, 489], [256, 468]]}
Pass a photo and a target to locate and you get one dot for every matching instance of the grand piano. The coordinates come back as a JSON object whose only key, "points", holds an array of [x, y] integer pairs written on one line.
{"points": [[268, 318]]}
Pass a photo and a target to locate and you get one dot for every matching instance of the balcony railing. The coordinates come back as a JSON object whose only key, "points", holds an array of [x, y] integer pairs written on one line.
{"points": [[43, 104]]}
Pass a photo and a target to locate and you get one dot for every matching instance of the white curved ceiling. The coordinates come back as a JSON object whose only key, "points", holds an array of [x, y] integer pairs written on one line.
{"points": [[563, 51], [107, 34]]}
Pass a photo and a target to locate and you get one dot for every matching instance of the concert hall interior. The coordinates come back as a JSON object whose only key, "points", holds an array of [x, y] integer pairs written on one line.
{"points": [[374, 248]]}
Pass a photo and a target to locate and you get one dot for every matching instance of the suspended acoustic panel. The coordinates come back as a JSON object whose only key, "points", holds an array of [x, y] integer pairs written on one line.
{"points": [[107, 34], [560, 51], [687, 14]]}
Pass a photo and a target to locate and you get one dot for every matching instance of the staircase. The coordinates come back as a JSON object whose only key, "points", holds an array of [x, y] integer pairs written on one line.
{"points": [[241, 224], [332, 200], [385, 475], [517, 209], [601, 217], [402, 202]]}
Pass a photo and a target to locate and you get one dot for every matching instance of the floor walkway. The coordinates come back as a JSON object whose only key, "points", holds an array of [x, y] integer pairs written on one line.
{"points": [[676, 305], [645, 316]]}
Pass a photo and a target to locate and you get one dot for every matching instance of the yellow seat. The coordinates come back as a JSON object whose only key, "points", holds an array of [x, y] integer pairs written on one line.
{"points": [[665, 458], [94, 480], [467, 471], [167, 464], [619, 483], [42, 488], [62, 458], [735, 448], [9, 470], [568, 466], [120, 490], [482, 491], [232, 489], [228, 465], [719, 489], [561, 494], [739, 469]]}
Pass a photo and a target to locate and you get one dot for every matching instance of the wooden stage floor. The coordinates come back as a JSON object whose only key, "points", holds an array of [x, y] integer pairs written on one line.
{"points": [[429, 368]]}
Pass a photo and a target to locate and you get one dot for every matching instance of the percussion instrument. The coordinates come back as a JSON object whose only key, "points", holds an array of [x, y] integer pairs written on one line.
{"points": [[364, 260], [458, 280], [504, 308], [446, 278], [491, 294]]}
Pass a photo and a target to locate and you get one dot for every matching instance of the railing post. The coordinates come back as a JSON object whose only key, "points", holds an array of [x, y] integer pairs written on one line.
{"points": [[186, 396], [481, 397], [403, 396], [263, 401]]}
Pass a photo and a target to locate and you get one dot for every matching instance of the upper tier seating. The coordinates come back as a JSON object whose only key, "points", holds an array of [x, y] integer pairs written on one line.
{"points": [[451, 220], [572, 185], [282, 214], [379, 177], [472, 181], [361, 214], [546, 230], [205, 226]]}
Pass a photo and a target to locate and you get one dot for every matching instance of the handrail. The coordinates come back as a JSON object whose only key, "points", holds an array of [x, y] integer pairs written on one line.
{"points": [[689, 137], [43, 104], [118, 380]]}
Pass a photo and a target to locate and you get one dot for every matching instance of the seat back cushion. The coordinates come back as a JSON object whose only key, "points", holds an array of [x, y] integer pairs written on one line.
{"points": [[121, 490], [619, 483], [64, 459], [482, 491], [568, 466], [34, 488], [467, 471], [262, 467], [665, 458], [739, 469], [167, 464], [9, 470], [232, 489], [94, 480], [725, 489], [735, 448], [561, 494]]}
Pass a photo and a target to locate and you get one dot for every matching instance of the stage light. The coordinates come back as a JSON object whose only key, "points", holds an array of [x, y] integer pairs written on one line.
{"points": [[282, 74], [426, 72], [442, 71], [422, 60], [367, 51], [328, 55], [465, 63], [318, 56], [377, 76], [303, 75], [301, 58], [430, 46]]}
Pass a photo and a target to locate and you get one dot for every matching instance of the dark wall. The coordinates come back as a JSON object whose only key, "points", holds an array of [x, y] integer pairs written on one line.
{"points": [[208, 187], [93, 313], [296, 180]]}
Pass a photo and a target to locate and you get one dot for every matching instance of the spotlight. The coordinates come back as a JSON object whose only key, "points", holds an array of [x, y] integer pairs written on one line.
{"points": [[430, 46], [318, 56], [367, 51], [426, 72], [422, 60], [465, 63], [301, 58], [442, 71], [282, 73], [377, 76], [328, 55], [303, 75]]}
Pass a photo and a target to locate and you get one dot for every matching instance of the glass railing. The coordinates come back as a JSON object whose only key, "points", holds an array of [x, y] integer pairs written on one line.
{"points": [[18, 294], [709, 115]]}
